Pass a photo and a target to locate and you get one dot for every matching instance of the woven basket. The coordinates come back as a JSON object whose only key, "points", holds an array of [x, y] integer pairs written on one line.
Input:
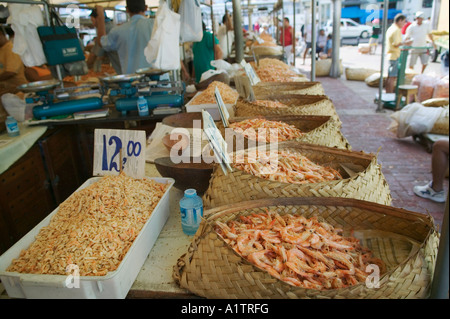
{"points": [[297, 105], [367, 183], [406, 241], [277, 88], [318, 130]]}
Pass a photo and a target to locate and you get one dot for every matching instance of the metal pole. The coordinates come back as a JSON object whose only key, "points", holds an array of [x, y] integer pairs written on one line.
{"points": [[313, 40], [238, 36], [335, 71], [293, 31], [383, 47], [439, 286]]}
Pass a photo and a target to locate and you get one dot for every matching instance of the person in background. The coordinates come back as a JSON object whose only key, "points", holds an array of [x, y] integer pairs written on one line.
{"points": [[97, 52], [307, 35], [376, 31], [204, 52], [129, 39], [328, 49], [225, 34], [321, 41], [393, 43], [418, 33], [12, 69], [287, 40], [407, 24], [434, 190]]}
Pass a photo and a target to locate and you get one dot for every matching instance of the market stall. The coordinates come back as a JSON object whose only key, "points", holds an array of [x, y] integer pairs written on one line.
{"points": [[298, 216]]}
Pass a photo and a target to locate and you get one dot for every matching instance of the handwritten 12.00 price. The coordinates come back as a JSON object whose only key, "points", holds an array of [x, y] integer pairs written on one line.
{"points": [[133, 149]]}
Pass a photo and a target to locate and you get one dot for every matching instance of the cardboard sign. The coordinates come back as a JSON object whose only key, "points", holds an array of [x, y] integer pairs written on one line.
{"points": [[119, 150], [244, 88], [224, 115], [216, 141]]}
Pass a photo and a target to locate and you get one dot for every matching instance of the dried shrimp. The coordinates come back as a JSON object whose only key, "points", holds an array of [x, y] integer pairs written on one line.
{"points": [[229, 96], [260, 129], [284, 166], [93, 229], [302, 252]]}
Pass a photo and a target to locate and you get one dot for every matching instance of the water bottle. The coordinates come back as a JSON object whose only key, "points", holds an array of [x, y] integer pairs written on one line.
{"points": [[191, 208], [142, 106], [12, 127]]}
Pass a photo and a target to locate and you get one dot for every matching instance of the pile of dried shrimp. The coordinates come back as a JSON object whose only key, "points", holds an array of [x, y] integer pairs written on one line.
{"points": [[302, 252], [273, 70], [261, 130], [284, 166], [229, 96], [93, 229], [269, 103]]}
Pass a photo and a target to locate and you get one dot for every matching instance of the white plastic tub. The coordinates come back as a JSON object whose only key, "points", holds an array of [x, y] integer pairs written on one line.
{"points": [[212, 109], [115, 284]]}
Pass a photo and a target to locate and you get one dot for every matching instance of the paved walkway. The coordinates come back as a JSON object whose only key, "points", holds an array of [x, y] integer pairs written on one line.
{"points": [[405, 163]]}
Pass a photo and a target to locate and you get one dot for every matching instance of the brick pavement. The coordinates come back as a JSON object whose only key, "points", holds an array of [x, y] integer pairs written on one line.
{"points": [[404, 162]]}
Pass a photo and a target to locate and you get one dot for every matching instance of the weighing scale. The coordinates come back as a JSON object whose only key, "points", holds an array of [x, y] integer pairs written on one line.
{"points": [[49, 101], [389, 99], [124, 91]]}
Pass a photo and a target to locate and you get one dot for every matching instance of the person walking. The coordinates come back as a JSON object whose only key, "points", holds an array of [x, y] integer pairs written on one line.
{"points": [[393, 42], [418, 32]]}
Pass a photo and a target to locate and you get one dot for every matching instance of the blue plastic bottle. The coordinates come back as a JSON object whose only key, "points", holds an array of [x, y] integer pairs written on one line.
{"points": [[142, 106], [191, 208], [12, 127]]}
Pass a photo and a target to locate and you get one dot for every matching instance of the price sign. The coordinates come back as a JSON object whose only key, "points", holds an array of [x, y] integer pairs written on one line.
{"points": [[119, 150], [224, 115], [254, 79], [216, 141]]}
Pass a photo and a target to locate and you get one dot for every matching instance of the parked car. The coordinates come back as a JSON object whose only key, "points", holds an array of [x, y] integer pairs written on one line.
{"points": [[350, 29]]}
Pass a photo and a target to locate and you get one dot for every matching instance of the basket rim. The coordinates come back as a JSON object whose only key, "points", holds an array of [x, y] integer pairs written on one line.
{"points": [[218, 211]]}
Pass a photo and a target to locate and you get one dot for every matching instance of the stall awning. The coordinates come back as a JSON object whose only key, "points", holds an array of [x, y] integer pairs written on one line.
{"points": [[352, 12]]}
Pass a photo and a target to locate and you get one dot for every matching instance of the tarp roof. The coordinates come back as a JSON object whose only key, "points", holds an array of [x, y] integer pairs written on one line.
{"points": [[150, 3]]}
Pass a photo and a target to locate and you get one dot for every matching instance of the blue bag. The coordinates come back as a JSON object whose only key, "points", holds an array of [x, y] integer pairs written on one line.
{"points": [[60, 43]]}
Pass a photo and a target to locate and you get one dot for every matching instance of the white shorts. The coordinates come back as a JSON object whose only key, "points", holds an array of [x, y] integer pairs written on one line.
{"points": [[423, 54], [288, 54]]}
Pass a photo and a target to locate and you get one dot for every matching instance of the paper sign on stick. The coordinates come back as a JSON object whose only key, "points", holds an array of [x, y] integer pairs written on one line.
{"points": [[119, 150], [216, 141], [224, 115]]}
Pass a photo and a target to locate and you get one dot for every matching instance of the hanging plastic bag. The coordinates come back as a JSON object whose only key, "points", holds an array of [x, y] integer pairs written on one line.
{"points": [[24, 20], [163, 51], [191, 29]]}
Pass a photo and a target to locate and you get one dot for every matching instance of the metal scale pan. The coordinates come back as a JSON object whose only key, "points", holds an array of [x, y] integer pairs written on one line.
{"points": [[39, 86], [151, 71], [122, 78]]}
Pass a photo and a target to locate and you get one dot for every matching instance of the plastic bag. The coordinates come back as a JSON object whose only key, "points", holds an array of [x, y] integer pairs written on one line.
{"points": [[415, 119], [16, 107], [162, 51], [441, 88], [191, 29], [426, 88], [24, 20]]}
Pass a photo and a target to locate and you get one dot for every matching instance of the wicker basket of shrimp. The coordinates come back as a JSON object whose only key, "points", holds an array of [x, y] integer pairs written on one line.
{"points": [[294, 169], [310, 248], [280, 88], [312, 129], [292, 104]]}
